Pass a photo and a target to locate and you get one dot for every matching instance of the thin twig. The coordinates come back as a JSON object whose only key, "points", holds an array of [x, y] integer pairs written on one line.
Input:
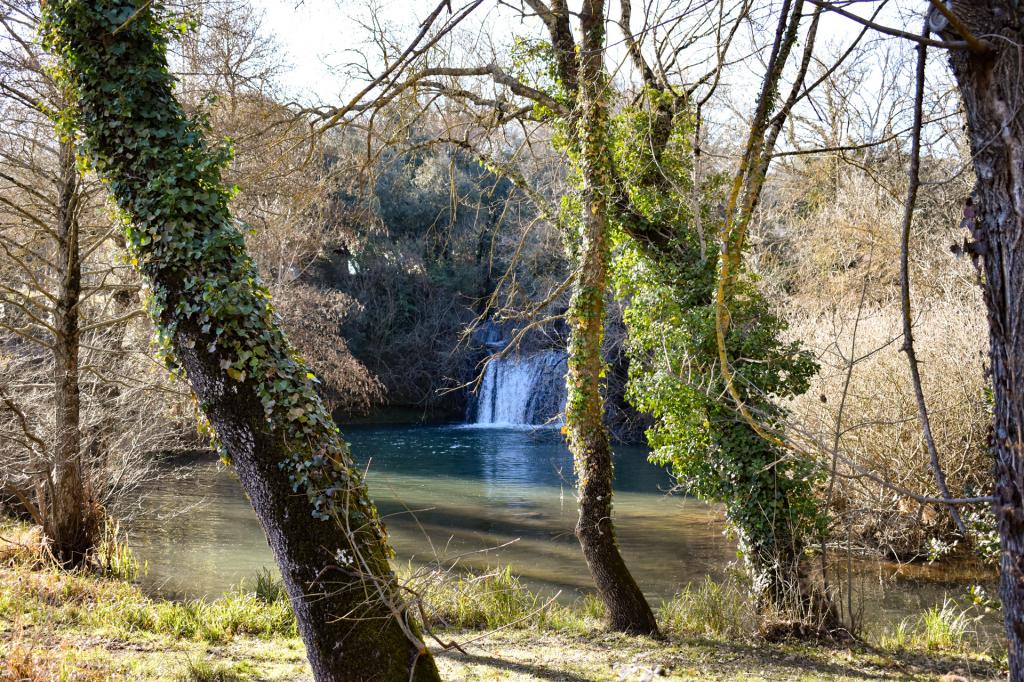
{"points": [[914, 182]]}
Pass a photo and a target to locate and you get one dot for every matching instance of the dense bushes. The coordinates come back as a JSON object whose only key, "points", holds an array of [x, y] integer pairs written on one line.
{"points": [[828, 249]]}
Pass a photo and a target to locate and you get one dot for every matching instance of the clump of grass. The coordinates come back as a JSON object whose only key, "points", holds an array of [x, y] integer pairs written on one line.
{"points": [[497, 599], [269, 588], [468, 600], [582, 617], [941, 628], [207, 671], [721, 610], [114, 558], [590, 606]]}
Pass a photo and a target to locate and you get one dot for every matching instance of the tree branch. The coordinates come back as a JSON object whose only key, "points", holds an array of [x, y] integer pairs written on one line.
{"points": [[913, 183]]}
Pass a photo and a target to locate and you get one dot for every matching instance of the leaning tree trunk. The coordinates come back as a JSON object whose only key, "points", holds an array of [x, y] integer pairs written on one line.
{"points": [[990, 84], [219, 330], [628, 610], [68, 522]]}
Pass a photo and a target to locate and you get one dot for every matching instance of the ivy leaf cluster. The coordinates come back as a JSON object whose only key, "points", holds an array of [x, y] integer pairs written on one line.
{"points": [[204, 291], [770, 495]]}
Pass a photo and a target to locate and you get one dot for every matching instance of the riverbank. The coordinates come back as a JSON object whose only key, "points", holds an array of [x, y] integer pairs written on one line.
{"points": [[516, 655], [85, 628]]}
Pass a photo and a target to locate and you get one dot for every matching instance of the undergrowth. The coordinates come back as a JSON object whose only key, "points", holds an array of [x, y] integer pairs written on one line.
{"points": [[120, 609], [710, 609]]}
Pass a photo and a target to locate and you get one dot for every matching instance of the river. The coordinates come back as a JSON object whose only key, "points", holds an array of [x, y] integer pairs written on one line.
{"points": [[479, 498]]}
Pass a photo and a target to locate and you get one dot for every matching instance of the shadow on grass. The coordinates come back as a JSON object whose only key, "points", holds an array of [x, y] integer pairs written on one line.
{"points": [[540, 672], [869, 662], [697, 658]]}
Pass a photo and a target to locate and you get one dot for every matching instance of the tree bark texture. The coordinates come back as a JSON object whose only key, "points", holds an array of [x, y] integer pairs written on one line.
{"points": [[990, 83], [70, 526], [628, 610], [222, 334]]}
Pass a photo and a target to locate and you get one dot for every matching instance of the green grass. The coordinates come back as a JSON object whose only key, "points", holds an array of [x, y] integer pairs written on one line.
{"points": [[719, 610], [120, 609], [474, 600], [204, 670], [946, 628], [269, 588], [114, 558], [87, 627]]}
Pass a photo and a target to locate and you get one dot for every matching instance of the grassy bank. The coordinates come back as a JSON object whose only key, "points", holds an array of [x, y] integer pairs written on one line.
{"points": [[85, 627]]}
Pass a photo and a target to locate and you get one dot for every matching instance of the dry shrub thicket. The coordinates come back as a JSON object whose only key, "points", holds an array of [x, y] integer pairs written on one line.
{"points": [[126, 407], [289, 188], [831, 255]]}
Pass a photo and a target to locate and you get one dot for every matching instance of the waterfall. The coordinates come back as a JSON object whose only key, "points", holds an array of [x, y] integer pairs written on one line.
{"points": [[523, 390]]}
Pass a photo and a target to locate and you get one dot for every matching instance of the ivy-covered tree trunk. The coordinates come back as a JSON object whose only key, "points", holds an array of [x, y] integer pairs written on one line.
{"points": [[219, 330], [68, 524], [990, 84], [628, 610]]}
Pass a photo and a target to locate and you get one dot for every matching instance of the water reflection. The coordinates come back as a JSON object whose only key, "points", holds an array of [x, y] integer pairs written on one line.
{"points": [[483, 498]]}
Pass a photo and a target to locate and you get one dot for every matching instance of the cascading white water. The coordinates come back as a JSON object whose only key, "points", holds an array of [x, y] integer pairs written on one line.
{"points": [[523, 390]]}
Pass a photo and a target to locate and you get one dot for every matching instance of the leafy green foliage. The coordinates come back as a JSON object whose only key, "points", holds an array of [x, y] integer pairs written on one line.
{"points": [[166, 180], [670, 282]]}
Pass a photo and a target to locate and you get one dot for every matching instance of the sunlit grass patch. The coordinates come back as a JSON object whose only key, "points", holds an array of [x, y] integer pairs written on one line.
{"points": [[204, 670], [23, 659], [945, 628], [474, 600], [236, 613], [710, 609], [55, 598]]}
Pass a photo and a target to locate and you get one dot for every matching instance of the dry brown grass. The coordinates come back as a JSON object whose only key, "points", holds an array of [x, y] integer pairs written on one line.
{"points": [[879, 428], [25, 660], [22, 545]]}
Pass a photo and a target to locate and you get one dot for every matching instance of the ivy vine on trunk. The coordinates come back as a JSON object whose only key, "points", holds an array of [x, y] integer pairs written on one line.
{"points": [[218, 329], [628, 610], [669, 277]]}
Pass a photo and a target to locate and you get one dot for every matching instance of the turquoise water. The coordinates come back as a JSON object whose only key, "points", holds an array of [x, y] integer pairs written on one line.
{"points": [[478, 498]]}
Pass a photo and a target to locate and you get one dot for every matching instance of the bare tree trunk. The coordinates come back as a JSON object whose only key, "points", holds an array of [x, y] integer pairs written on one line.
{"points": [[628, 610], [69, 524], [993, 96], [250, 383]]}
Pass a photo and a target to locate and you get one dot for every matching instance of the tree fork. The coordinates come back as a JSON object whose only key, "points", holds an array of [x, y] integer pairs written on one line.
{"points": [[220, 331]]}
